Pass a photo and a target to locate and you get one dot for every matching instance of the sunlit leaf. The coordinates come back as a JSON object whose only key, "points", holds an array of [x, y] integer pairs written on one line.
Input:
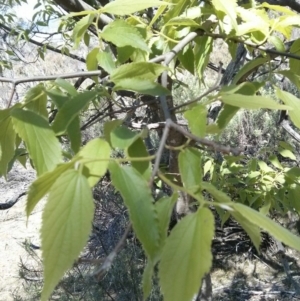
{"points": [[274, 229], [41, 186], [42, 145], [127, 7], [197, 119], [252, 102], [138, 199], [7, 141], [70, 110], [98, 152], [123, 34], [292, 101], [140, 85], [138, 150], [190, 168], [186, 256], [144, 70], [67, 223]]}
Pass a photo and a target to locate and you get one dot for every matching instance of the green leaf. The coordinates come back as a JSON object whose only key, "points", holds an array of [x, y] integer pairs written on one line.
{"points": [[202, 50], [251, 229], [40, 187], [294, 63], [218, 195], [67, 223], [121, 34], [140, 85], [186, 256], [42, 145], [292, 101], [127, 7], [186, 58], [248, 68], [92, 62], [74, 134], [57, 97], [65, 85], [147, 279], [36, 100], [164, 207], [109, 126], [252, 102], [142, 70], [182, 21], [106, 61], [7, 141], [137, 150], [197, 119], [268, 225], [70, 110], [97, 150], [226, 8], [81, 28], [121, 137], [277, 42], [138, 199], [20, 155], [274, 160], [226, 114], [190, 168], [293, 196], [287, 154]]}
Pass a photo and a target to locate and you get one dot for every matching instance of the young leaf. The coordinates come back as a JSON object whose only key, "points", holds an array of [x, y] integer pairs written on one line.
{"points": [[109, 126], [137, 197], [292, 101], [123, 34], [42, 145], [252, 229], [268, 225], [186, 256], [81, 28], [147, 279], [67, 223], [70, 110], [121, 137], [136, 150], [36, 100], [127, 7], [106, 61], [197, 119], [190, 168], [65, 85], [141, 85], [40, 187], [92, 62], [218, 195], [294, 63], [202, 50], [252, 102], [74, 134], [7, 141], [249, 68], [226, 8], [164, 207], [140, 69], [226, 114], [96, 149]]}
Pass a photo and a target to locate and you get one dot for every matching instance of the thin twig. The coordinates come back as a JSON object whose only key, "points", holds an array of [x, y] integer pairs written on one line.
{"points": [[160, 151]]}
